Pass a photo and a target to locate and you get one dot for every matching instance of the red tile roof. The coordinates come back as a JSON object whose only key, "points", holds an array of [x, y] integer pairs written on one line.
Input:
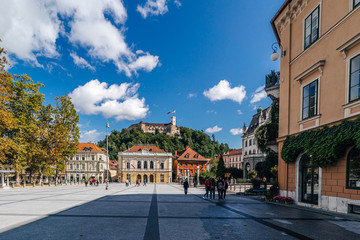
{"points": [[94, 148], [189, 154], [113, 164], [234, 152], [140, 148]]}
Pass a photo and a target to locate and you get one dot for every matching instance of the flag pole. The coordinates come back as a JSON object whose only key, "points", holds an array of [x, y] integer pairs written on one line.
{"points": [[107, 154]]}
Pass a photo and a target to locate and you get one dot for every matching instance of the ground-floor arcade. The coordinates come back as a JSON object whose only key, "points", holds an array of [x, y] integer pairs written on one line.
{"points": [[149, 177]]}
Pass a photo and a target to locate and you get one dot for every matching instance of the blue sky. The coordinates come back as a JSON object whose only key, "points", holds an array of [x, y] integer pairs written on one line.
{"points": [[136, 60]]}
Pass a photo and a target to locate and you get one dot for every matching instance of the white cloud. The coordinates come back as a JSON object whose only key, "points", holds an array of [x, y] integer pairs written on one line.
{"points": [[223, 91], [258, 95], [118, 101], [153, 8], [191, 95], [211, 111], [177, 3], [239, 111], [236, 131], [81, 62], [89, 136], [30, 28], [213, 129]]}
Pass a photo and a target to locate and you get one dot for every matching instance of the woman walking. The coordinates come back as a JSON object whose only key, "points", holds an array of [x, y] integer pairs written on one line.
{"points": [[207, 188], [186, 186]]}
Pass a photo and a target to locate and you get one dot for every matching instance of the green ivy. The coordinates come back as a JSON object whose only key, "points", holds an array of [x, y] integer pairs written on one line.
{"points": [[268, 132], [325, 145]]}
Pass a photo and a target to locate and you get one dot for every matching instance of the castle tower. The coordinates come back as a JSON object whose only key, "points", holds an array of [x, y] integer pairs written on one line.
{"points": [[173, 120]]}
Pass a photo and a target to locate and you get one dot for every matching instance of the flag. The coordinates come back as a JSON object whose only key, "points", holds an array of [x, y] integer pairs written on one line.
{"points": [[132, 166], [173, 112], [168, 113], [107, 124]]}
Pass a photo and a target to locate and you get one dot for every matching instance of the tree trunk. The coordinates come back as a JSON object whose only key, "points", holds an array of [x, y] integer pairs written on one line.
{"points": [[17, 177]]}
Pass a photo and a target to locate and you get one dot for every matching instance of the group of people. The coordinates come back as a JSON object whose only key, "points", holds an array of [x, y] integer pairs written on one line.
{"points": [[210, 185], [137, 183]]}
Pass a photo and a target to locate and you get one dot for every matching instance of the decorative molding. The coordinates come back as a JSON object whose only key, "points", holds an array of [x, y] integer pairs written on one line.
{"points": [[317, 66], [344, 48], [292, 12]]}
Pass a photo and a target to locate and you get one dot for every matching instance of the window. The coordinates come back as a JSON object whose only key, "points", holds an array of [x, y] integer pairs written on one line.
{"points": [[250, 142], [245, 143], [180, 164], [254, 151], [162, 178], [151, 165], [77, 158], [92, 157], [162, 166], [77, 166], [83, 166], [311, 28], [128, 165], [356, 2], [145, 165], [353, 169], [309, 106], [187, 155], [71, 166], [139, 164], [186, 164], [82, 158], [354, 78], [100, 158]]}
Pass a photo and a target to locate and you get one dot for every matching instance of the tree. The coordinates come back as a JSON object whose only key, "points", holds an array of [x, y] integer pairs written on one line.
{"points": [[220, 171]]}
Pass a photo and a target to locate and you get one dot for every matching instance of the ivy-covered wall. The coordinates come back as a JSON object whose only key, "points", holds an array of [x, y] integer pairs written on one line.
{"points": [[325, 145]]}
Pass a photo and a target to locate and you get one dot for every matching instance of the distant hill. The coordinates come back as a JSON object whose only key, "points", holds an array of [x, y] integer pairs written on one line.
{"points": [[197, 140]]}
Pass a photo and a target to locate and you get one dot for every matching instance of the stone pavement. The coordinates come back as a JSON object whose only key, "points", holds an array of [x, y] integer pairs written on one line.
{"points": [[156, 212]]}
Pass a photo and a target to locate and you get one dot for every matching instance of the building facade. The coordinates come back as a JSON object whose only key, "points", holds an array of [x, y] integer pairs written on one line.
{"points": [[187, 162], [165, 128], [251, 154], [89, 162], [319, 86], [233, 159], [146, 163]]}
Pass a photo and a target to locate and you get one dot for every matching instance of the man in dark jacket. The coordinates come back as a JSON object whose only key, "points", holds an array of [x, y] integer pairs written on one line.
{"points": [[220, 187], [186, 186], [226, 185]]}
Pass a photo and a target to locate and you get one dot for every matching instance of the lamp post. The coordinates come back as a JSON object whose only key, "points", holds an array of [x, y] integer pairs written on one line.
{"points": [[198, 177], [107, 155], [275, 55]]}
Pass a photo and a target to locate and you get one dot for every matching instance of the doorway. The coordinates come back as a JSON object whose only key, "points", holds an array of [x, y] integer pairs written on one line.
{"points": [[145, 178], [139, 177], [151, 178], [309, 181]]}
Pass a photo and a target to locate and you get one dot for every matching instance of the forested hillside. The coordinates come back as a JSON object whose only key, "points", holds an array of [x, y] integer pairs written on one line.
{"points": [[197, 140]]}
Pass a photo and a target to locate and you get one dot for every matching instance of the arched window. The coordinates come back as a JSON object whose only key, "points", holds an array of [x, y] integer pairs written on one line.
{"points": [[139, 164], [254, 151], [353, 169], [128, 165], [145, 165], [162, 166], [151, 165], [162, 178]]}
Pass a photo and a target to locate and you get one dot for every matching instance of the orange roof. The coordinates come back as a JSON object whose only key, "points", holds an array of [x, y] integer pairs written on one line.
{"points": [[234, 152], [113, 164], [189, 154], [88, 146], [140, 148]]}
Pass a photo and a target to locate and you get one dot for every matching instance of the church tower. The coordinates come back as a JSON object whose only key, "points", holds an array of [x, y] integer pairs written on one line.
{"points": [[173, 120]]}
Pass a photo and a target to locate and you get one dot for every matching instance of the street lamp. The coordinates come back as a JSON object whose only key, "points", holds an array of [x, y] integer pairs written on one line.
{"points": [[275, 54], [107, 155]]}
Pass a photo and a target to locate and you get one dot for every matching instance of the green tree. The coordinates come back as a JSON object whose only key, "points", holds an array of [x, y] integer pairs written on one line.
{"points": [[220, 171]]}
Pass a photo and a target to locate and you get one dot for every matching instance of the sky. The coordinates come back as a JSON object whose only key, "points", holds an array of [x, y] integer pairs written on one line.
{"points": [[136, 60]]}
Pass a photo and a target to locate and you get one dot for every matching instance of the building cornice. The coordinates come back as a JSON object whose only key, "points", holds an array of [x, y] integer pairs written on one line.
{"points": [[344, 48], [317, 66]]}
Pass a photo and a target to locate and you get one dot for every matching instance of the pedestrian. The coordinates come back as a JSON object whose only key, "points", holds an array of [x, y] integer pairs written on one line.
{"points": [[220, 187], [144, 183], [127, 183], [186, 186], [226, 185], [97, 183], [86, 183], [212, 189], [207, 185]]}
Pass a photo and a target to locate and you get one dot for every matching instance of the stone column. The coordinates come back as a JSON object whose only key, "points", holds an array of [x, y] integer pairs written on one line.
{"points": [[7, 180], [2, 180]]}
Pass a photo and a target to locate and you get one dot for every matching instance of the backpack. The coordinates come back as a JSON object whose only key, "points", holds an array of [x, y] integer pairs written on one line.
{"points": [[220, 185]]}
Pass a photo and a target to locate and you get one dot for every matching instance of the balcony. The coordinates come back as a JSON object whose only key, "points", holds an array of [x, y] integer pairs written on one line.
{"points": [[272, 85]]}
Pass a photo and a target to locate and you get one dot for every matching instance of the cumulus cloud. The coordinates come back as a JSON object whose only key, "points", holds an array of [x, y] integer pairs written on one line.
{"points": [[223, 91], [236, 131], [239, 111], [191, 95], [81, 62], [258, 95], [29, 29], [153, 8], [178, 3], [89, 136], [213, 129], [118, 101], [211, 111]]}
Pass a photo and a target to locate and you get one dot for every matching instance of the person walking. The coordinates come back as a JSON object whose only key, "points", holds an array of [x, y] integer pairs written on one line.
{"points": [[220, 187], [207, 186], [86, 183], [212, 188], [127, 183], [226, 185], [144, 183], [186, 186]]}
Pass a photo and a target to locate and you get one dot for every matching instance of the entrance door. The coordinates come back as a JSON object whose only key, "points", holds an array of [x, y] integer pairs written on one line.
{"points": [[139, 177], [309, 181], [145, 178], [151, 178]]}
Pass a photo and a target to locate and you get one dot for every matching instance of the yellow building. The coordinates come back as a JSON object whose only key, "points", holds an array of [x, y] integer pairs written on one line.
{"points": [[148, 163]]}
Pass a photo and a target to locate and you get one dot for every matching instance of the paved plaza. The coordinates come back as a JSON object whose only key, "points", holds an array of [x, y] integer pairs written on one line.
{"points": [[157, 212]]}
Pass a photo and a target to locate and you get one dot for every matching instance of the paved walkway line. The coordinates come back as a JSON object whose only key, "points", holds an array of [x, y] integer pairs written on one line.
{"points": [[152, 231]]}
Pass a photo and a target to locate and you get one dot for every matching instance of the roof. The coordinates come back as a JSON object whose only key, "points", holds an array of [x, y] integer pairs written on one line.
{"points": [[234, 152], [189, 155], [148, 147], [89, 147], [255, 121], [113, 164], [276, 16]]}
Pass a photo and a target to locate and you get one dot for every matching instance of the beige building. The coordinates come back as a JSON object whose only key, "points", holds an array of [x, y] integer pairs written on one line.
{"points": [[148, 163], [165, 128], [319, 86], [233, 159], [89, 162]]}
